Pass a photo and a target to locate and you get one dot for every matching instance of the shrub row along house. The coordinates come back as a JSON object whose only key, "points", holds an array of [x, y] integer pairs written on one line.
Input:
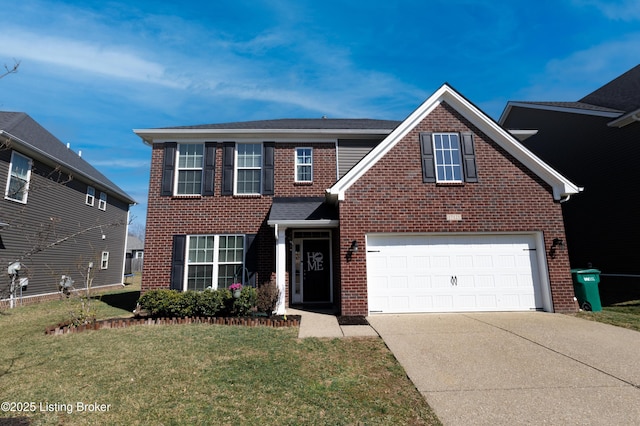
{"points": [[594, 141], [59, 215], [444, 211]]}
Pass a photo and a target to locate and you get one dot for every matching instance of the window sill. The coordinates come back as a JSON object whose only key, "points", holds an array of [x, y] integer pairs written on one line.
{"points": [[187, 197], [247, 195], [15, 201], [445, 184], [309, 183]]}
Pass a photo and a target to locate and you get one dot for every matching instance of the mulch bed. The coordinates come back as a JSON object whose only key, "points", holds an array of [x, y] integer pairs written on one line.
{"points": [[352, 320], [273, 321]]}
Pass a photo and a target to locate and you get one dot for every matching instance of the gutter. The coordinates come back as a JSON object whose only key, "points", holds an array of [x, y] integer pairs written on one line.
{"points": [[625, 119]]}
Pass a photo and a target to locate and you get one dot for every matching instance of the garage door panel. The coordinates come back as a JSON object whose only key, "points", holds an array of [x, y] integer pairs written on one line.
{"points": [[426, 273]]}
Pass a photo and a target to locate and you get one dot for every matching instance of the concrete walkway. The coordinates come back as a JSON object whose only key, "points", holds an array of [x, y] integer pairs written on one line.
{"points": [[518, 368], [320, 325]]}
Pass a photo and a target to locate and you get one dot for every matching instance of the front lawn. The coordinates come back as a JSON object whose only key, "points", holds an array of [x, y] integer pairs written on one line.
{"points": [[625, 314], [196, 374]]}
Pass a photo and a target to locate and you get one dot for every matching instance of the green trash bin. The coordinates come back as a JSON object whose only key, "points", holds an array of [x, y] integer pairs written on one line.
{"points": [[585, 286]]}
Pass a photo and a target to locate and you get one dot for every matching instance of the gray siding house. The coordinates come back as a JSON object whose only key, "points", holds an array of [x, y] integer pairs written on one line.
{"points": [[59, 216], [594, 142]]}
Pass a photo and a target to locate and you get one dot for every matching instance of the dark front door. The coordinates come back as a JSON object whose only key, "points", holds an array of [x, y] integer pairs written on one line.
{"points": [[316, 267]]}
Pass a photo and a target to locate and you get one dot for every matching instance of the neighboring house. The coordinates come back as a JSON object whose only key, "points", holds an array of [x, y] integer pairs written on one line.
{"points": [[58, 213], [444, 211], [594, 142], [135, 254]]}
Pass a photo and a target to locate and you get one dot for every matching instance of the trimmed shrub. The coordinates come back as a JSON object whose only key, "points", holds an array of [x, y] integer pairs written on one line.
{"points": [[244, 305], [210, 303]]}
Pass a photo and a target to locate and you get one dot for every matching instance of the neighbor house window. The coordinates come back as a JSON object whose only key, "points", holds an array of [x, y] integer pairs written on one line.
{"points": [[91, 195], [19, 176], [214, 261], [189, 176], [104, 261], [304, 165], [448, 161], [102, 203], [249, 168]]}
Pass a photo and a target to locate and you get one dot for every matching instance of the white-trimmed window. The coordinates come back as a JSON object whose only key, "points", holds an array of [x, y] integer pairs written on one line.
{"points": [[304, 165], [448, 158], [104, 260], [189, 176], [19, 177], [213, 261], [248, 168], [102, 203], [91, 196], [139, 255]]}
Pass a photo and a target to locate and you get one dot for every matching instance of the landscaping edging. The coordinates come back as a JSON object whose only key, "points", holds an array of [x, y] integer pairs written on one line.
{"points": [[293, 321]]}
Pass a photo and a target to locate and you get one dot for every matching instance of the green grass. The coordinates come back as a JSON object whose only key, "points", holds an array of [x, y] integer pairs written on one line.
{"points": [[199, 374], [626, 314]]}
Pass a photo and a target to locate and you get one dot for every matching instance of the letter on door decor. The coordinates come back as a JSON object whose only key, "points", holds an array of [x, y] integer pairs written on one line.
{"points": [[315, 261]]}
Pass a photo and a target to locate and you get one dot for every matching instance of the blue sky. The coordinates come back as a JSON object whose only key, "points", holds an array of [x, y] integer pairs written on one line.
{"points": [[91, 71]]}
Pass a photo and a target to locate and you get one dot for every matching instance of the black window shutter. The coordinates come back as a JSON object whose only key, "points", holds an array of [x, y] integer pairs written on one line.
{"points": [[228, 155], [251, 258], [268, 186], [209, 172], [428, 165], [178, 262], [469, 158], [168, 168]]}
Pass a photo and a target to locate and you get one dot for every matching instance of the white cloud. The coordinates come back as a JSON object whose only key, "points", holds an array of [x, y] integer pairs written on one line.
{"points": [[94, 58], [121, 163], [577, 75]]}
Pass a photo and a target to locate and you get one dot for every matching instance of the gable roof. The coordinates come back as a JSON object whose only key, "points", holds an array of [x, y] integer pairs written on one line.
{"points": [[562, 187], [287, 126], [36, 141]]}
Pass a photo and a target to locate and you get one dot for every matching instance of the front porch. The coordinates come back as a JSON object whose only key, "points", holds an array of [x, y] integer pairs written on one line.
{"points": [[307, 255]]}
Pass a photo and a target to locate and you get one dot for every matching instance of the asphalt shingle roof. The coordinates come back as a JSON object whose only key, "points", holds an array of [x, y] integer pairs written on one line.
{"points": [[302, 208], [301, 124], [621, 93], [33, 136]]}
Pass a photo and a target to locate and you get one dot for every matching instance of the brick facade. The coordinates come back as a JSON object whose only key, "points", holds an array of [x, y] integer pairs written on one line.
{"points": [[391, 197], [217, 214]]}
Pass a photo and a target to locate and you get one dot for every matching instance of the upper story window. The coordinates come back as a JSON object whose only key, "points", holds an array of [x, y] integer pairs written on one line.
{"points": [[91, 196], [248, 168], [189, 171], [104, 260], [19, 177], [448, 162], [102, 203], [304, 165], [448, 157]]}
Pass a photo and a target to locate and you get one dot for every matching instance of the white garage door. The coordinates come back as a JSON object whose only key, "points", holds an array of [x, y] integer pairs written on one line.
{"points": [[428, 273]]}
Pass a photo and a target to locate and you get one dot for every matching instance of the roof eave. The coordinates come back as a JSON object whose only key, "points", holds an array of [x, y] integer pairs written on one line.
{"points": [[561, 186], [149, 135], [625, 119], [318, 223], [46, 158]]}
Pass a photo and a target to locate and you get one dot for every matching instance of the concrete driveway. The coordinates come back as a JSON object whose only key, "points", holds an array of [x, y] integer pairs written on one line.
{"points": [[518, 368]]}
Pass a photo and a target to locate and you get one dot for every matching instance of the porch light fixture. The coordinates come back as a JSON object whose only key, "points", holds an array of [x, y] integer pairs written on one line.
{"points": [[555, 245], [353, 249]]}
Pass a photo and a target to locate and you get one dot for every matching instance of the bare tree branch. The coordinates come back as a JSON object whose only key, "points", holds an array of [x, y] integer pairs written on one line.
{"points": [[11, 70]]}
